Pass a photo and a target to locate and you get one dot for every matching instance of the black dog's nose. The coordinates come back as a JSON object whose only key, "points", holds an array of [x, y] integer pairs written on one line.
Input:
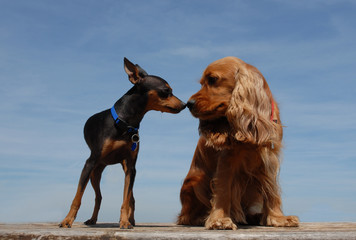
{"points": [[190, 104]]}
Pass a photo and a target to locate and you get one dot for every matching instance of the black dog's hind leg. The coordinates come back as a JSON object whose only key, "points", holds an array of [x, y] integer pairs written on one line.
{"points": [[83, 181], [95, 178]]}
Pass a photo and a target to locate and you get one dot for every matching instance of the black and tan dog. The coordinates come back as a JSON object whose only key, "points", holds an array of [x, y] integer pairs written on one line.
{"points": [[112, 136]]}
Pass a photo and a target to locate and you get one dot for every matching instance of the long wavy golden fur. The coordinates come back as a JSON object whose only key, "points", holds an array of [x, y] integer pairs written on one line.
{"points": [[233, 178]]}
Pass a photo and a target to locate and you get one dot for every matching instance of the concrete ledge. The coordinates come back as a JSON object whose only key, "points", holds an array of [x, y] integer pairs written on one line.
{"points": [[322, 231]]}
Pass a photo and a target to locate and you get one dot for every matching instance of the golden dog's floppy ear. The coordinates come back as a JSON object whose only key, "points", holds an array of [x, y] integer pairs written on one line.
{"points": [[249, 112]]}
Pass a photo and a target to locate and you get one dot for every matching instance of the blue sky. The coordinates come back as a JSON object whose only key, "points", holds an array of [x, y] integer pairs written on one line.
{"points": [[62, 61]]}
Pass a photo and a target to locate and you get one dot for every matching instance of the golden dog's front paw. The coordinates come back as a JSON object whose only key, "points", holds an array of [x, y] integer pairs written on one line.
{"points": [[220, 224], [125, 225], [66, 223], [283, 221]]}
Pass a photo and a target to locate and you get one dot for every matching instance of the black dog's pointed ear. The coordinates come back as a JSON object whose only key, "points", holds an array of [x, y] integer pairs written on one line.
{"points": [[134, 72], [141, 71]]}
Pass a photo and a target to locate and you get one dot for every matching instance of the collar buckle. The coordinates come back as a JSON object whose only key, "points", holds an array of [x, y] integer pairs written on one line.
{"points": [[135, 138]]}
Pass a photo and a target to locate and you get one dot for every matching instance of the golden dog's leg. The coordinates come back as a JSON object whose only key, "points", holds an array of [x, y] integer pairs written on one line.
{"points": [[195, 204], [272, 207], [219, 217], [195, 194], [276, 218]]}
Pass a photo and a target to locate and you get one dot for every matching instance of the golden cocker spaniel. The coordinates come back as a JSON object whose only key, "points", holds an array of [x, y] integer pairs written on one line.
{"points": [[233, 176]]}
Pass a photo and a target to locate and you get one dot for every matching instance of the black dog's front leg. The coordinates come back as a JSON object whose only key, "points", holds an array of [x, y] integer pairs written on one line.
{"points": [[127, 219]]}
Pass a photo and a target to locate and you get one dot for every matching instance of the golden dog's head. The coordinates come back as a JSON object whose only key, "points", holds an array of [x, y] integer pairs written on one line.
{"points": [[234, 102]]}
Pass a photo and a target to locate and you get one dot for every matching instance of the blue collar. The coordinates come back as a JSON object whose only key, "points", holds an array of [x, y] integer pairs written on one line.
{"points": [[131, 130], [114, 115]]}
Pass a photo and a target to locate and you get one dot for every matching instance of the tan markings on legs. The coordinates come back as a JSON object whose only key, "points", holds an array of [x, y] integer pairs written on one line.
{"points": [[128, 201], [83, 181], [69, 219]]}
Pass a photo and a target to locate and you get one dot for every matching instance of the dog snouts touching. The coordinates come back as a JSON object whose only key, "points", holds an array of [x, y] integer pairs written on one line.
{"points": [[181, 106]]}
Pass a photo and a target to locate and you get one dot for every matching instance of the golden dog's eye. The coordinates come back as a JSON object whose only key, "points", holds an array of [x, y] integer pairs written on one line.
{"points": [[212, 80]]}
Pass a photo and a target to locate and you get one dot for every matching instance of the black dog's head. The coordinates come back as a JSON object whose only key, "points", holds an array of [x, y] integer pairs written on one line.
{"points": [[158, 91]]}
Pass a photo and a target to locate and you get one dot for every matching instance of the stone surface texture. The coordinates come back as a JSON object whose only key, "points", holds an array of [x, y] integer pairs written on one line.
{"points": [[325, 231]]}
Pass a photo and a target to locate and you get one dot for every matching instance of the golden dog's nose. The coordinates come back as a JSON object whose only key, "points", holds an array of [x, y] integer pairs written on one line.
{"points": [[190, 104]]}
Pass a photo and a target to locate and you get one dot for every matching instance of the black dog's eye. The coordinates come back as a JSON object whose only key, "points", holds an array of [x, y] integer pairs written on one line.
{"points": [[212, 80], [165, 93]]}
